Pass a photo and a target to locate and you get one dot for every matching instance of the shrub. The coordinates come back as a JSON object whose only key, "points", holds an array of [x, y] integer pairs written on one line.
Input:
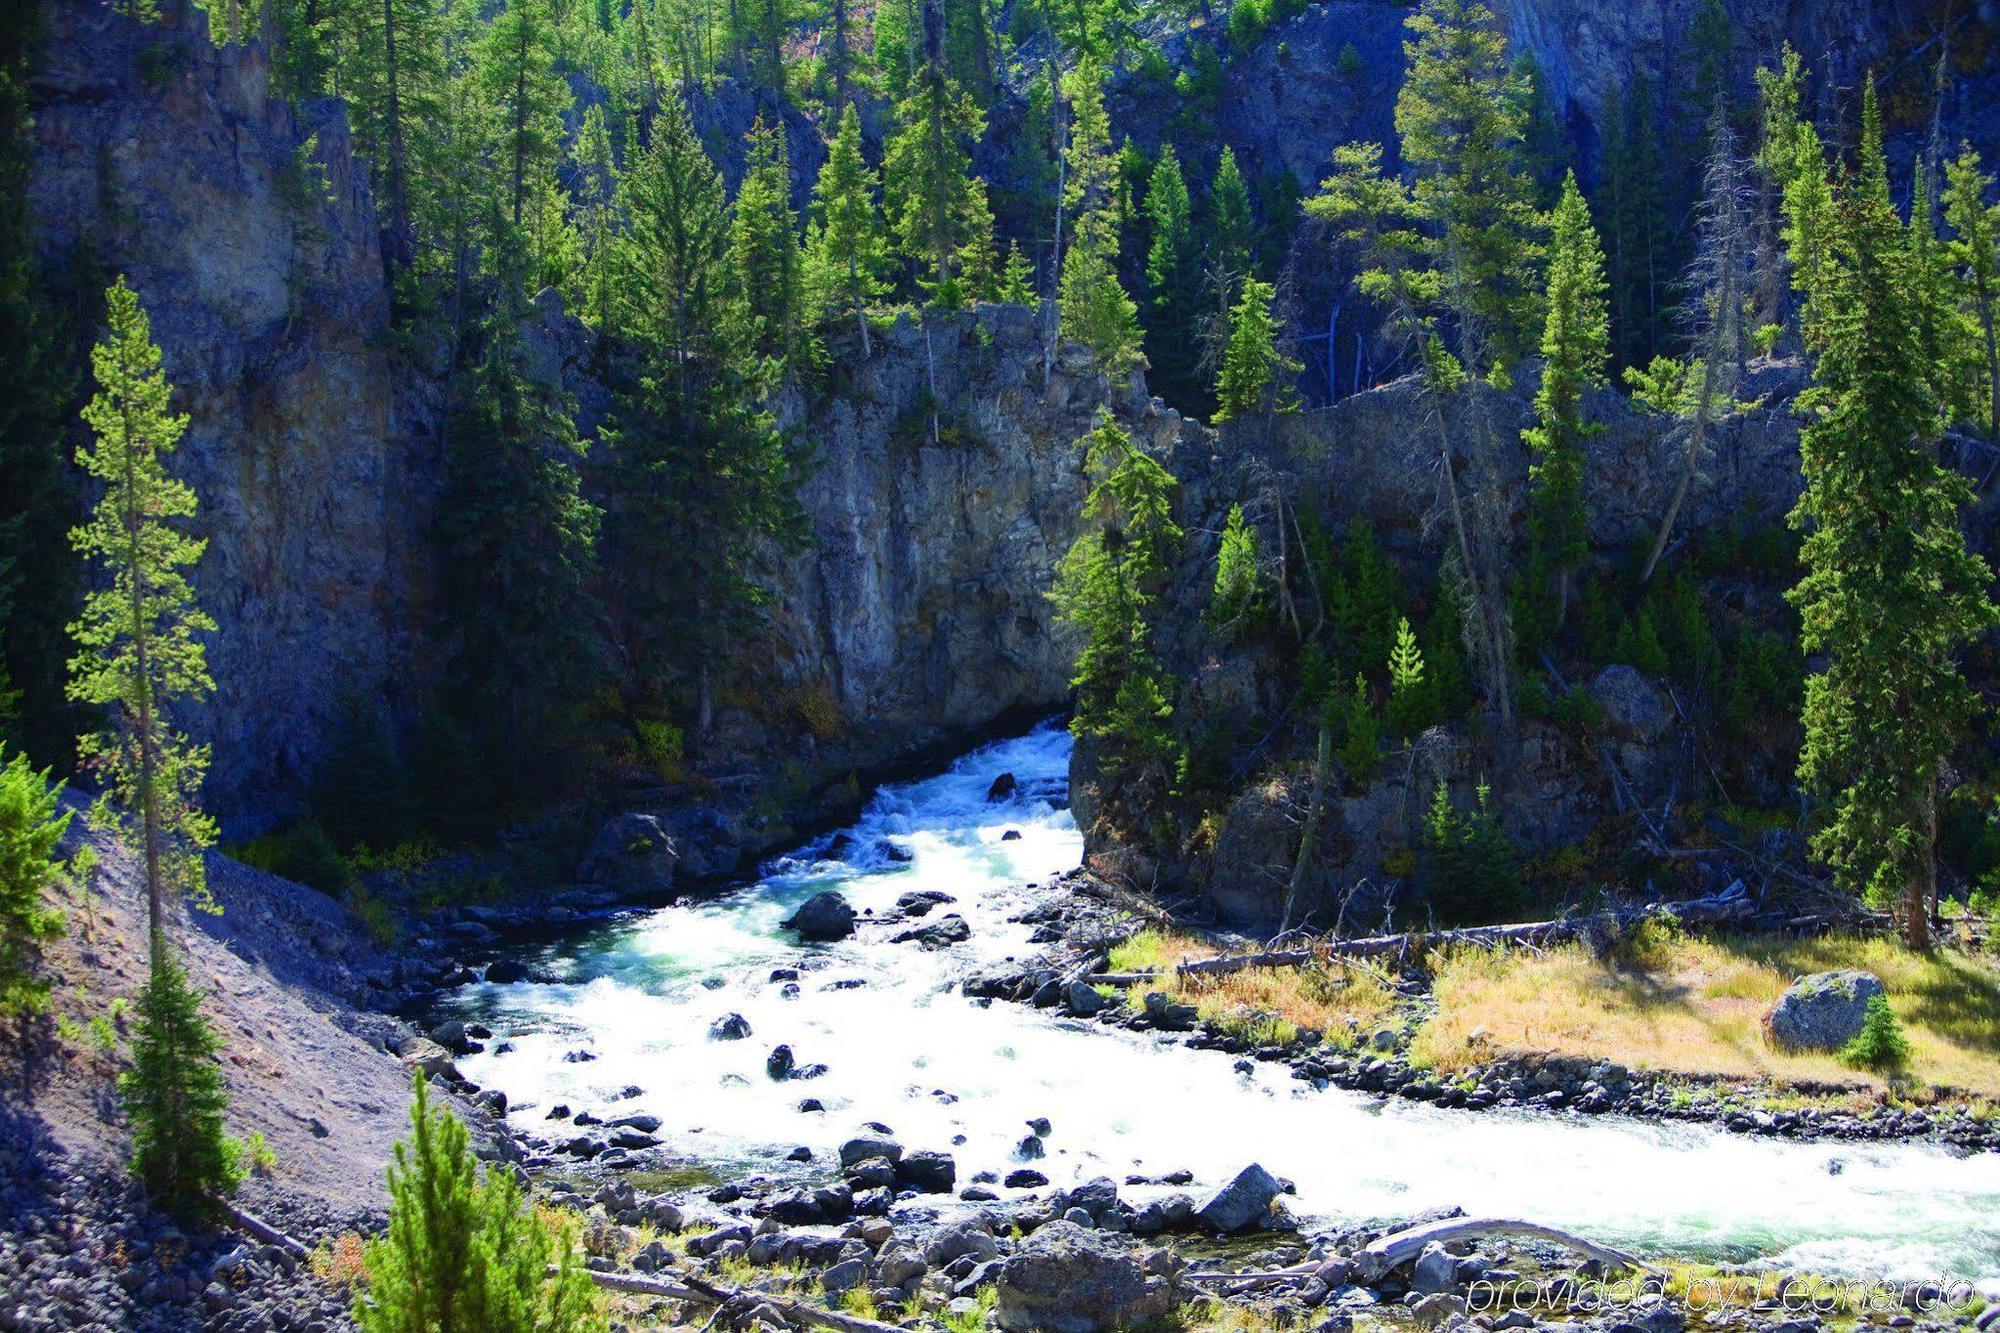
{"points": [[175, 1097], [463, 1251], [1881, 1045], [302, 853], [1471, 873], [30, 829], [1348, 62], [1235, 574], [662, 747]]}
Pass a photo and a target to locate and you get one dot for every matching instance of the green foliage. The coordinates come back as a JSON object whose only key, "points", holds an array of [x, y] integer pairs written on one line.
{"points": [[1880, 1045], [137, 645], [662, 747], [1975, 253], [1460, 239], [1236, 572], [1364, 614], [1575, 341], [1256, 378], [1361, 735], [764, 251], [1226, 260], [517, 74], [1172, 282], [517, 545], [464, 1253], [703, 484], [1471, 874], [1095, 309], [848, 252], [174, 1096], [1890, 592], [1410, 703], [1348, 63], [302, 853], [1632, 217], [1444, 658], [937, 207], [31, 826], [1105, 588], [361, 791], [1638, 644], [1247, 20]]}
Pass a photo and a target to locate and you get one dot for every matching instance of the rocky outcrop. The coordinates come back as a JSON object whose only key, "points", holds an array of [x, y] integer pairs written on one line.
{"points": [[1070, 1279]]}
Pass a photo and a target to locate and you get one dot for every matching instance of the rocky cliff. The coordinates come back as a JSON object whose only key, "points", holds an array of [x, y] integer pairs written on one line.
{"points": [[248, 232]]}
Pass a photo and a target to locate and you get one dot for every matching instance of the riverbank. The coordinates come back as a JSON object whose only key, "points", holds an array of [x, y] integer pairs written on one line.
{"points": [[1661, 1026]]}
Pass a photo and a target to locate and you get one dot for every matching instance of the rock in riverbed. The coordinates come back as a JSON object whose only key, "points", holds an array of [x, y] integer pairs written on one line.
{"points": [[824, 916], [1241, 1204], [729, 1027]]}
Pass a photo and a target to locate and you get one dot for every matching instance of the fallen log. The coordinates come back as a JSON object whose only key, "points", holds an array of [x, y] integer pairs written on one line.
{"points": [[1728, 906], [259, 1229], [1392, 1251], [693, 1290]]}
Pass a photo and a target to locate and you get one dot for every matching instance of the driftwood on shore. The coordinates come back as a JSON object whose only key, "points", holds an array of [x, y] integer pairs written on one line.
{"points": [[1380, 1257], [698, 1291], [1733, 904]]}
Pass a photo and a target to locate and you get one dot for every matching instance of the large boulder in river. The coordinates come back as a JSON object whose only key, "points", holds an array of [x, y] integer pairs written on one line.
{"points": [[824, 916], [631, 854], [1067, 1279], [1823, 1011], [1242, 1204]]}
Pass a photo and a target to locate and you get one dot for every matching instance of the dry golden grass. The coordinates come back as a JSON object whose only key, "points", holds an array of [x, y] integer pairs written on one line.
{"points": [[1262, 1004], [1695, 1005]]}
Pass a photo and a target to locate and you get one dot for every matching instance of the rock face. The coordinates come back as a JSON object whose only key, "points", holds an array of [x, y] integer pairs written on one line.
{"points": [[631, 854], [178, 163], [1823, 1011], [1066, 1279]]}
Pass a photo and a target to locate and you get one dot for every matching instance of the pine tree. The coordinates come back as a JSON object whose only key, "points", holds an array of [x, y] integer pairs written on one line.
{"points": [[1017, 278], [1472, 253], [1095, 309], [137, 647], [390, 68], [934, 201], [517, 544], [703, 484], [1226, 260], [464, 1252], [516, 71], [1104, 591], [1575, 346], [1890, 592], [1409, 696], [1444, 658], [175, 1097], [764, 251], [1172, 282], [1235, 574], [848, 252], [596, 171], [1361, 750], [969, 47], [1633, 220], [1975, 235], [31, 826], [361, 789], [1256, 378]]}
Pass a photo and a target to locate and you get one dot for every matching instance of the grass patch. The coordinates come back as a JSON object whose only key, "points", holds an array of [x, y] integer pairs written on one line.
{"points": [[978, 1319], [1692, 1004], [1263, 1005]]}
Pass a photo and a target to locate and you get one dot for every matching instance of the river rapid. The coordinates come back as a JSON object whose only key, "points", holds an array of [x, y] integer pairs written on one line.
{"points": [[903, 1048]]}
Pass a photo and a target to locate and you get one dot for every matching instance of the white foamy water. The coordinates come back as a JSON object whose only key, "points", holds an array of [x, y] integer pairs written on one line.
{"points": [[904, 1048]]}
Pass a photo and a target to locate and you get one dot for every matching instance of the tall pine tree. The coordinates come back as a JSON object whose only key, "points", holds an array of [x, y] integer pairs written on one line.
{"points": [[848, 252], [765, 254], [1575, 346], [1890, 592], [1095, 309], [1172, 282]]}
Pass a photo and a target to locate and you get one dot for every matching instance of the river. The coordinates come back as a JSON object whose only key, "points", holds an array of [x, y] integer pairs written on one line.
{"points": [[903, 1048]]}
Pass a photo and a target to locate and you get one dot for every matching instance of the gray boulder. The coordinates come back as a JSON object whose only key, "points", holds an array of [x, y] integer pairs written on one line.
{"points": [[824, 916], [1083, 1000], [632, 853], [928, 1172], [729, 1027], [858, 1150], [1065, 1279], [1241, 1204], [1823, 1011]]}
